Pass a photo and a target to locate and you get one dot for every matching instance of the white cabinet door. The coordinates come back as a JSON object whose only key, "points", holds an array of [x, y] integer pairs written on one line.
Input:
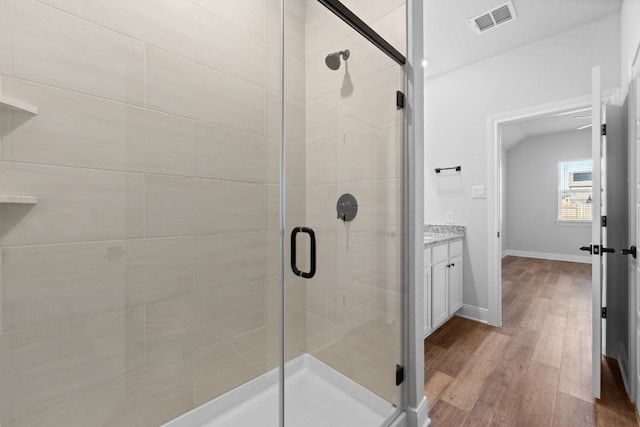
{"points": [[427, 300], [455, 284], [439, 304]]}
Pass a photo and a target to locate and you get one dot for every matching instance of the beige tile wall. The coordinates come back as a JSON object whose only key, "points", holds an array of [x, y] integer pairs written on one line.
{"points": [[145, 281], [354, 145]]}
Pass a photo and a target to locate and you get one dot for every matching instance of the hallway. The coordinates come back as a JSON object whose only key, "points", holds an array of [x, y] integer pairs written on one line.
{"points": [[535, 370]]}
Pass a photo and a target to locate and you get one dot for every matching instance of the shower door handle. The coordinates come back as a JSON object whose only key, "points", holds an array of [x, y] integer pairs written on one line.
{"points": [[294, 267]]}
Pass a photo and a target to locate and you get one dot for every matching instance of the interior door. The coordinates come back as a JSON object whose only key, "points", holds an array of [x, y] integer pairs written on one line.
{"points": [[596, 231], [634, 128], [617, 236]]}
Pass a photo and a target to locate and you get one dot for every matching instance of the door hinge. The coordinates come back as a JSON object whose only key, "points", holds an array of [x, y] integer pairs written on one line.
{"points": [[604, 312], [498, 234], [399, 100], [603, 221], [399, 374], [604, 129]]}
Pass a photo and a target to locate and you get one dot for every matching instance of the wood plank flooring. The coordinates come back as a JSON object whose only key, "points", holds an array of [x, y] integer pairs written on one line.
{"points": [[533, 371]]}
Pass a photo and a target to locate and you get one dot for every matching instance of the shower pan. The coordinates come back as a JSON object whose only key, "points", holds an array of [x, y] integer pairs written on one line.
{"points": [[170, 252]]}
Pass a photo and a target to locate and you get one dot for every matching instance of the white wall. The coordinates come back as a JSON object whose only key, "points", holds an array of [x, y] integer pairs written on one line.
{"points": [[532, 194], [458, 104], [629, 38]]}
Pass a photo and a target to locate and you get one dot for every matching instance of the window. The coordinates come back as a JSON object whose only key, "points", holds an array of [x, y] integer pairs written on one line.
{"points": [[575, 190]]}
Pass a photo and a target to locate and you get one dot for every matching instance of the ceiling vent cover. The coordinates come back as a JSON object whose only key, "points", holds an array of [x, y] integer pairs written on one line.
{"points": [[492, 18]]}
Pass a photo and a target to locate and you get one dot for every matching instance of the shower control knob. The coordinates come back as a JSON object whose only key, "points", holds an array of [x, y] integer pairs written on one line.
{"points": [[347, 207]]}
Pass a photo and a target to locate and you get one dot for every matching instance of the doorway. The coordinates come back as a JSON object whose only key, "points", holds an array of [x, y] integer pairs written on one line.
{"points": [[496, 159]]}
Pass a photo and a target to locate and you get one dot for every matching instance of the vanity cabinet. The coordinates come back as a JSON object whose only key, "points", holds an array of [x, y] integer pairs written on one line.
{"points": [[443, 283]]}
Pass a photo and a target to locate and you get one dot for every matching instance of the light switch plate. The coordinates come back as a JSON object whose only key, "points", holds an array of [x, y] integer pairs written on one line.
{"points": [[449, 218], [477, 192]]}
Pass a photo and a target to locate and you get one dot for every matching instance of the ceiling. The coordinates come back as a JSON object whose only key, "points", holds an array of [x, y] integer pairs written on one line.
{"points": [[450, 43], [515, 133]]}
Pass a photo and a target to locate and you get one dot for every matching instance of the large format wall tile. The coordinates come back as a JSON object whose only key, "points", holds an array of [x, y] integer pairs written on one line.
{"points": [[175, 328], [294, 113], [145, 398], [295, 163], [44, 45], [321, 207], [155, 395], [295, 207], [77, 130], [177, 85], [321, 119], [40, 364], [158, 269], [226, 153], [294, 294], [322, 162], [244, 358], [48, 283], [93, 405], [185, 206], [160, 23], [168, 206], [55, 282], [228, 207], [226, 259], [246, 14], [368, 155], [236, 51], [75, 205]]}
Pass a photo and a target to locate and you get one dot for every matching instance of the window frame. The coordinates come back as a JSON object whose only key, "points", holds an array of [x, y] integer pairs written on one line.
{"points": [[559, 219]]}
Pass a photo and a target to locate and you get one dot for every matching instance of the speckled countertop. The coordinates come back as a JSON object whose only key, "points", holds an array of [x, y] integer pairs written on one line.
{"points": [[436, 234]]}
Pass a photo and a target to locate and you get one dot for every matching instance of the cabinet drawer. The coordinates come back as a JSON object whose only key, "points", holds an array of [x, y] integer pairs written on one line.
{"points": [[439, 253], [455, 248], [427, 257]]}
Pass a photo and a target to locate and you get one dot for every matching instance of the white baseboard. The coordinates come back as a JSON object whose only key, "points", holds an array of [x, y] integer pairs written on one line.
{"points": [[504, 253], [418, 416], [474, 313], [585, 259]]}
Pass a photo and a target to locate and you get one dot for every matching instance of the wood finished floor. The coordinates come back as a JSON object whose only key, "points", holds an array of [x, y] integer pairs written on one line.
{"points": [[533, 371]]}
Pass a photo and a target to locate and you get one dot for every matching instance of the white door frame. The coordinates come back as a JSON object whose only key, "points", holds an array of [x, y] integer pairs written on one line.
{"points": [[494, 160]]}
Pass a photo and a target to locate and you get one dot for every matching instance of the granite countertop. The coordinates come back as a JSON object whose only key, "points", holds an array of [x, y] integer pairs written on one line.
{"points": [[438, 234]]}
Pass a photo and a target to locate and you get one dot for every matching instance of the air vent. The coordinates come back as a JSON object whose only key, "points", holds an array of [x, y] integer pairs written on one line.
{"points": [[492, 18], [484, 22]]}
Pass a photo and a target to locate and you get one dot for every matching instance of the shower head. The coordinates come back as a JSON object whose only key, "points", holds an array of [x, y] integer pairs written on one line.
{"points": [[333, 59]]}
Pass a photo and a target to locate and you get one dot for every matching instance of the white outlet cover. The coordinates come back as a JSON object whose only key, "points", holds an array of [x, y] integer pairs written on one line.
{"points": [[477, 192]]}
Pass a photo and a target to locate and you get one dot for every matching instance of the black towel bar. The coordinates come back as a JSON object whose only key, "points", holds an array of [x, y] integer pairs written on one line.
{"points": [[457, 168]]}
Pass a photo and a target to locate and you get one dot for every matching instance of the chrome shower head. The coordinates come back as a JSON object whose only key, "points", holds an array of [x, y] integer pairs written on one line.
{"points": [[333, 59]]}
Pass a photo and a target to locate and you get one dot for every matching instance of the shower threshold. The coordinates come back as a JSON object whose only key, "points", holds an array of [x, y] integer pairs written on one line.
{"points": [[315, 396]]}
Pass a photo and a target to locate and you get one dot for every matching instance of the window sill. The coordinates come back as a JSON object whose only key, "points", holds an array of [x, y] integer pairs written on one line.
{"points": [[574, 223]]}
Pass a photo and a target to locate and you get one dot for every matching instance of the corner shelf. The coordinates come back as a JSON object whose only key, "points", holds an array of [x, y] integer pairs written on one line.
{"points": [[23, 200], [7, 102], [16, 104]]}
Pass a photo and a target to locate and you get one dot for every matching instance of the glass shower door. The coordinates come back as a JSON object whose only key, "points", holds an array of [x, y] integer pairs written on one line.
{"points": [[344, 322]]}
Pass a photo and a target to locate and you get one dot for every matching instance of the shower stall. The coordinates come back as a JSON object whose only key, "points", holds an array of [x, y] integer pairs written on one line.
{"points": [[201, 212]]}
